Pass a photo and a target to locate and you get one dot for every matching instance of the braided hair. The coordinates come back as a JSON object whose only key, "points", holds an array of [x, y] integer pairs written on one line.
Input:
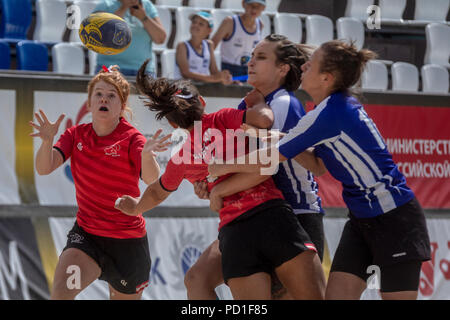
{"points": [[295, 55]]}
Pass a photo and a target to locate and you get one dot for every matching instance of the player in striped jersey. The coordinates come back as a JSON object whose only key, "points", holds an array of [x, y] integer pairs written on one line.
{"points": [[296, 183], [258, 212], [387, 225], [107, 157]]}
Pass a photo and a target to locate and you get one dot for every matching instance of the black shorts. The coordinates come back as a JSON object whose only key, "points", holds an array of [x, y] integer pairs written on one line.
{"points": [[125, 263], [262, 241], [389, 241]]}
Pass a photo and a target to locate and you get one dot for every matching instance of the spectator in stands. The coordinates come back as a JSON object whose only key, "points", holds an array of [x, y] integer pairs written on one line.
{"points": [[195, 57], [108, 156], [146, 28], [386, 226], [239, 35]]}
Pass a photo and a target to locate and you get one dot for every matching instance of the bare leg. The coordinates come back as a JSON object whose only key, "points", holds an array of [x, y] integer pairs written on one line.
{"points": [[205, 275], [254, 287], [344, 286], [303, 276], [116, 295], [74, 272]]}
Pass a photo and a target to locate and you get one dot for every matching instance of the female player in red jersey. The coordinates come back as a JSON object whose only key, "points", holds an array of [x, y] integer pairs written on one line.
{"points": [[106, 157], [258, 231]]}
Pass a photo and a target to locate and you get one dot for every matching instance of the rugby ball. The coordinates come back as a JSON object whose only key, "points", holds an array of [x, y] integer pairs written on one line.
{"points": [[105, 33]]}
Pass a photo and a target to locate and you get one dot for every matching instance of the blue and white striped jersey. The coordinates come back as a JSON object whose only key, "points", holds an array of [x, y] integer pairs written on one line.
{"points": [[354, 152], [295, 182]]}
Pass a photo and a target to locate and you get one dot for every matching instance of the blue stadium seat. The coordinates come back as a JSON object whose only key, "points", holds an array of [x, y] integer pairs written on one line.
{"points": [[32, 56], [15, 20], [5, 55]]}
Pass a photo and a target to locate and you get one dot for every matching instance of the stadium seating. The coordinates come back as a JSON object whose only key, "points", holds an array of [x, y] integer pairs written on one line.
{"points": [[32, 56], [427, 11], [202, 4], [92, 58], [85, 9], [438, 44], [272, 6], [50, 20], [15, 19], [265, 19], [319, 29], [168, 63], [169, 3], [392, 11], [405, 77], [182, 24], [289, 25], [350, 29], [218, 57], [165, 15], [218, 15], [68, 58], [435, 79], [357, 9], [5, 55], [234, 5], [375, 76]]}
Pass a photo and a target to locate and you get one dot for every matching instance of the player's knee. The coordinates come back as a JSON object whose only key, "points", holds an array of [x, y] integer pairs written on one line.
{"points": [[196, 278], [192, 278]]}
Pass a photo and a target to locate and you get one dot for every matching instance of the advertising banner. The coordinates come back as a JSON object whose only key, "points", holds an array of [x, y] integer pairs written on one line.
{"points": [[21, 272], [9, 190], [419, 140]]}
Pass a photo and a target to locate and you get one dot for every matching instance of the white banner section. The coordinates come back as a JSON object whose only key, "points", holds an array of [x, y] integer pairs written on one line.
{"points": [[58, 188], [9, 189], [435, 275], [175, 245]]}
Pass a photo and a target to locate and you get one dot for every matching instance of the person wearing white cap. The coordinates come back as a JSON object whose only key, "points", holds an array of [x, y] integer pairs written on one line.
{"points": [[195, 57], [239, 34]]}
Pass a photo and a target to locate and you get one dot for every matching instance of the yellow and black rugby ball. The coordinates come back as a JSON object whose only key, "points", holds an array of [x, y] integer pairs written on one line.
{"points": [[105, 33]]}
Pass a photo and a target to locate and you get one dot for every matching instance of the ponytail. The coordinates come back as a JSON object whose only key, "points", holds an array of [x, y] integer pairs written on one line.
{"points": [[345, 62], [178, 101]]}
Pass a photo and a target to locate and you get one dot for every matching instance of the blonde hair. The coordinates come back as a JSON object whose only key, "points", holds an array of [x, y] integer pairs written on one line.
{"points": [[115, 78]]}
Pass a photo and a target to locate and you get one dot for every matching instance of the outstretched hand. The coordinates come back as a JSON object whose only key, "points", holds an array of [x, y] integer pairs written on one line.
{"points": [[154, 144], [46, 129]]}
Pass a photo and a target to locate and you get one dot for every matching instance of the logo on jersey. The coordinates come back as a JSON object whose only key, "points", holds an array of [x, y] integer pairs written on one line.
{"points": [[80, 146], [76, 238], [113, 150]]}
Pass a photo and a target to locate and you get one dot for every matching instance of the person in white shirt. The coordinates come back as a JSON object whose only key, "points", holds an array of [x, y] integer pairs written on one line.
{"points": [[195, 57], [239, 34]]}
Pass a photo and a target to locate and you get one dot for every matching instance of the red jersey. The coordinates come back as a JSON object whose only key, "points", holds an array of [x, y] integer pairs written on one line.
{"points": [[103, 169], [216, 142]]}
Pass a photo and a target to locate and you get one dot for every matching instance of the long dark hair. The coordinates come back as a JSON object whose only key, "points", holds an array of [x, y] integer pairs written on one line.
{"points": [[295, 55], [176, 100]]}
